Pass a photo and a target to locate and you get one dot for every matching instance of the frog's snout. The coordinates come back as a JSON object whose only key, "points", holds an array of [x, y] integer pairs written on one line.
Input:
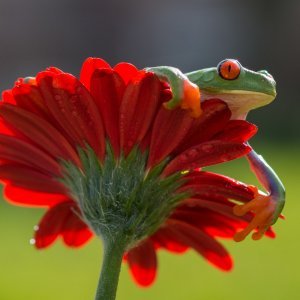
{"points": [[264, 72], [269, 82]]}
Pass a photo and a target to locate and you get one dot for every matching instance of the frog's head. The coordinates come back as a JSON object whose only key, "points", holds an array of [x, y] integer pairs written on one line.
{"points": [[242, 89]]}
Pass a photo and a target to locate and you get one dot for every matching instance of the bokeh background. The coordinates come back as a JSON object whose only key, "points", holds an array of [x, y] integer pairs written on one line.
{"points": [[190, 34]]}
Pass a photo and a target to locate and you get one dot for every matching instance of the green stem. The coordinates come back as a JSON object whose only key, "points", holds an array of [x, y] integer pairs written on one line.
{"points": [[110, 271]]}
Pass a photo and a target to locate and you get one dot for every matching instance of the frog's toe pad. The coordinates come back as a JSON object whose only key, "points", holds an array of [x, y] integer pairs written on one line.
{"points": [[263, 207], [191, 98]]}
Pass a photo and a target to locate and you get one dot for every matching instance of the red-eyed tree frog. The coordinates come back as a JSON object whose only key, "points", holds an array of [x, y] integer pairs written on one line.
{"points": [[242, 90]]}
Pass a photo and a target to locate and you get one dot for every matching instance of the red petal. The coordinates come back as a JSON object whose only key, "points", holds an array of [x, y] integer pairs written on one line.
{"points": [[206, 154], [237, 131], [75, 232], [168, 238], [224, 208], [214, 217], [270, 233], [126, 71], [24, 197], [210, 222], [39, 131], [215, 115], [13, 149], [203, 183], [138, 108], [170, 127], [51, 225], [107, 88], [57, 104], [8, 97], [62, 219], [88, 68], [29, 97], [76, 106], [70, 103], [204, 244], [166, 93], [142, 262], [145, 143], [6, 129], [77, 237], [30, 179], [54, 70]]}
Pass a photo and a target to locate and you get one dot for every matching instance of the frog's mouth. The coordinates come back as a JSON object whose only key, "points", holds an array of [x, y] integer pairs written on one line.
{"points": [[240, 102]]}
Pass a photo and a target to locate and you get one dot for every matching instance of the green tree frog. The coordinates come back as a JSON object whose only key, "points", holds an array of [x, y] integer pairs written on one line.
{"points": [[242, 90]]}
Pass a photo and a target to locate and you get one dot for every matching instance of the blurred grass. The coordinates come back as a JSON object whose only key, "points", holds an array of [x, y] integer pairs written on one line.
{"points": [[268, 269]]}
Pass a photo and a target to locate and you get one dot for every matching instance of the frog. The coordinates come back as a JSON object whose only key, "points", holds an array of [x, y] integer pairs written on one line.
{"points": [[243, 90]]}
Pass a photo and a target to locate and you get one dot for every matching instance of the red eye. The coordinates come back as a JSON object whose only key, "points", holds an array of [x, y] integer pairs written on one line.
{"points": [[229, 69]]}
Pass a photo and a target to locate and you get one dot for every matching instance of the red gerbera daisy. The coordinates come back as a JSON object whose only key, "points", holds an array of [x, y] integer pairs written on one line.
{"points": [[103, 155]]}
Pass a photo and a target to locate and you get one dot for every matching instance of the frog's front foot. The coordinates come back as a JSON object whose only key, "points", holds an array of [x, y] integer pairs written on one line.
{"points": [[265, 208], [190, 99], [185, 94]]}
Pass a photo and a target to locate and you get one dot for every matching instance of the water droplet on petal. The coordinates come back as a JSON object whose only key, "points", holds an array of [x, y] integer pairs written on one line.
{"points": [[74, 113], [130, 143], [36, 227], [122, 116], [29, 80], [32, 241], [192, 153], [224, 157], [207, 148]]}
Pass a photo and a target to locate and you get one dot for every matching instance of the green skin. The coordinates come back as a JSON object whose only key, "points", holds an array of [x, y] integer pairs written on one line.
{"points": [[248, 91]]}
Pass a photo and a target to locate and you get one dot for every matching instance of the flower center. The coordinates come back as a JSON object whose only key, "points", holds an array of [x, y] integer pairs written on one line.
{"points": [[119, 196]]}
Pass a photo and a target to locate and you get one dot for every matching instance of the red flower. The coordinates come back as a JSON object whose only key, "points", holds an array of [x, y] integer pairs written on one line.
{"points": [[46, 120]]}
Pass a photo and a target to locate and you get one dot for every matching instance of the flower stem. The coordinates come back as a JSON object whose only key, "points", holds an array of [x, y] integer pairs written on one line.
{"points": [[111, 266]]}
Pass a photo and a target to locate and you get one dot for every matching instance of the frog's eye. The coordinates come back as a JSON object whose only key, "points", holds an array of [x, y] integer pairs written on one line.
{"points": [[229, 69]]}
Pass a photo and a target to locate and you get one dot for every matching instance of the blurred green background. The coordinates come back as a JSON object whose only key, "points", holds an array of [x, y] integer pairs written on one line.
{"points": [[190, 35]]}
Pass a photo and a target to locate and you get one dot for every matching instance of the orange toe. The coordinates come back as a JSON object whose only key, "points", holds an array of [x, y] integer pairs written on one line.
{"points": [[263, 207]]}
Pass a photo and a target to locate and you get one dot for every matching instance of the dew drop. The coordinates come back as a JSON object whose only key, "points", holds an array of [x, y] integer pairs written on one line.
{"points": [[122, 117], [192, 153], [207, 148], [32, 241], [74, 113], [29, 80], [130, 143], [36, 227], [224, 157]]}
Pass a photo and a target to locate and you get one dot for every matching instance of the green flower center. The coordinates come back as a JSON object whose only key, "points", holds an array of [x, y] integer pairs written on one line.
{"points": [[119, 196]]}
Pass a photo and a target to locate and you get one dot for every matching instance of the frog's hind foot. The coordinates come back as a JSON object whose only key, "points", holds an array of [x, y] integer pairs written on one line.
{"points": [[263, 207]]}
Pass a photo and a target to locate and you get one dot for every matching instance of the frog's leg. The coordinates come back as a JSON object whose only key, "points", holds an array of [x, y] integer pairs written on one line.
{"points": [[266, 207], [186, 94]]}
